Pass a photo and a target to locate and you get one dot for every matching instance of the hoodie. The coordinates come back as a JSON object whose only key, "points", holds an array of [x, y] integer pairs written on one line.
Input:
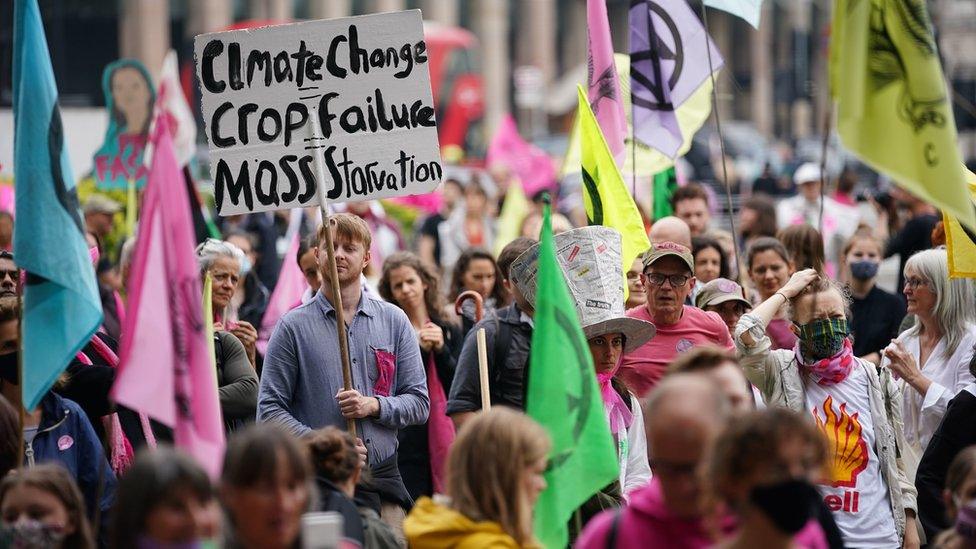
{"points": [[434, 526], [646, 522]]}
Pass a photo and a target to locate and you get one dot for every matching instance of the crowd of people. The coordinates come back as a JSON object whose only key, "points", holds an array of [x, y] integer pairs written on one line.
{"points": [[761, 388]]}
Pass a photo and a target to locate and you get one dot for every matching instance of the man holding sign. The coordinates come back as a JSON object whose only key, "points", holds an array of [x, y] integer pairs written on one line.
{"points": [[329, 111]]}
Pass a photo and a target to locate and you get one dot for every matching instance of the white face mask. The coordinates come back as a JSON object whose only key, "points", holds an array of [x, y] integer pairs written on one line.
{"points": [[246, 265]]}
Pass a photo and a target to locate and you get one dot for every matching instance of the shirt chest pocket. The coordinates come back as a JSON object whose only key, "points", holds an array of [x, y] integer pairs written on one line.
{"points": [[381, 369]]}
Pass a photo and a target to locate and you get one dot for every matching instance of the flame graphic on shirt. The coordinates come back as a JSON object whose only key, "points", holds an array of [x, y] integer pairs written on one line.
{"points": [[848, 451]]}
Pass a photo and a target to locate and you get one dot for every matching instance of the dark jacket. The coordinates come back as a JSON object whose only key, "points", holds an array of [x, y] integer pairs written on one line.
{"points": [[956, 432], [506, 380], [413, 453], [332, 499], [66, 437], [237, 384], [256, 297]]}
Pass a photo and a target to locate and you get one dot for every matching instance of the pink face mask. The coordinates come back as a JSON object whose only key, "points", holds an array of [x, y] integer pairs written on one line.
{"points": [[94, 254]]}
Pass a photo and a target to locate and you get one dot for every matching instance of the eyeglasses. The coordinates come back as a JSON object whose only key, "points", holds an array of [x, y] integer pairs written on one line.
{"points": [[676, 280], [914, 282]]}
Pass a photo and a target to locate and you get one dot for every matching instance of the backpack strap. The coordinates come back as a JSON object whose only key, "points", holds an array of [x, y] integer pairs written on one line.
{"points": [[503, 342], [614, 528]]}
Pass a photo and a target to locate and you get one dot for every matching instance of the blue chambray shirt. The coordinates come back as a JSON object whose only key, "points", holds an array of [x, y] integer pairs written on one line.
{"points": [[303, 372]]}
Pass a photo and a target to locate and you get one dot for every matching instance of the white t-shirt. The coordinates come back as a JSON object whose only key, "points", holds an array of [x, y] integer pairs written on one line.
{"points": [[854, 491]]}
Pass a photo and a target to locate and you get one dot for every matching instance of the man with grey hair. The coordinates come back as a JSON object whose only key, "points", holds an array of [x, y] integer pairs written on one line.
{"points": [[682, 416]]}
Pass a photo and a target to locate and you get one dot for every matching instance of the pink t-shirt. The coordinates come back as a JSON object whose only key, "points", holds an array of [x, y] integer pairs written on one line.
{"points": [[642, 368]]}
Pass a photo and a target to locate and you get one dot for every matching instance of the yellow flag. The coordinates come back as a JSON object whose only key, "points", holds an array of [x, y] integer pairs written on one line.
{"points": [[893, 106], [960, 241], [208, 322], [514, 209], [605, 196]]}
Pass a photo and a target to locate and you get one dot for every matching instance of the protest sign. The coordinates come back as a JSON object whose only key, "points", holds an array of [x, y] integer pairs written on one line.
{"points": [[129, 98], [366, 81]]}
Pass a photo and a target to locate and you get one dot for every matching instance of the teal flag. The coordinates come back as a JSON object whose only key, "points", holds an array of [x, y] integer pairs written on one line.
{"points": [[61, 305], [564, 397]]}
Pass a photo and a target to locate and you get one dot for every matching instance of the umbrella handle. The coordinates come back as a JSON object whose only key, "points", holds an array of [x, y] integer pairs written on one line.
{"points": [[479, 303]]}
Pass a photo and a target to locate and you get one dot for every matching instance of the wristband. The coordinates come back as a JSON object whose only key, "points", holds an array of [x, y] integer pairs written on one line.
{"points": [[782, 294]]}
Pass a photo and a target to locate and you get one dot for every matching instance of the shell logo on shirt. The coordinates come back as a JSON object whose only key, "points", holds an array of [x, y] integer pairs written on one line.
{"points": [[847, 449]]}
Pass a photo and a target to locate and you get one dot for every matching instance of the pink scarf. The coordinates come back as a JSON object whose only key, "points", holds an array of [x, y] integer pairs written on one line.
{"points": [[617, 410], [440, 428], [122, 453], [828, 371]]}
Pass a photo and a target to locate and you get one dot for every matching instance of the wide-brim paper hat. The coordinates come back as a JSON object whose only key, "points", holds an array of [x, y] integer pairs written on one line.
{"points": [[590, 259]]}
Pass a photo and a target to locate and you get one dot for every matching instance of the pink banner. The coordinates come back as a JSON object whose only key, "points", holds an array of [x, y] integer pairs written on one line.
{"points": [[530, 163], [602, 81], [165, 370], [286, 296]]}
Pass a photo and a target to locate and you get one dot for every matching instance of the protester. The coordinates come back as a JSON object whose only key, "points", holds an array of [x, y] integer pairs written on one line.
{"points": [[710, 259], [670, 229], [932, 357], [854, 405], [806, 249], [956, 432], [411, 285], [469, 225], [767, 183], [386, 238], [959, 498], [237, 380], [669, 279], [164, 500], [303, 368], [508, 335], [770, 267], [636, 293], [224, 263], [309, 266], [262, 226], [99, 211], [721, 368], [875, 313], [492, 510], [251, 295], [690, 204], [42, 507], [532, 224], [265, 487], [113, 310], [476, 270], [6, 231], [836, 222], [9, 275], [911, 235], [683, 416], [724, 297], [338, 468], [428, 235], [762, 468], [757, 218], [9, 435]]}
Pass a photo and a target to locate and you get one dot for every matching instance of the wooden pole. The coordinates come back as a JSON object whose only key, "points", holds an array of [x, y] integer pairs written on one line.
{"points": [[483, 370], [315, 132]]}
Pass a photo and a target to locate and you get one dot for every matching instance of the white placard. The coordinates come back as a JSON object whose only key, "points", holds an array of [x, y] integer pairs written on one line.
{"points": [[365, 79]]}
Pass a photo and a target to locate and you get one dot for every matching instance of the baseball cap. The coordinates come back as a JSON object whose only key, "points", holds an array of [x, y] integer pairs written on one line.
{"points": [[97, 204], [718, 291], [665, 249], [807, 173]]}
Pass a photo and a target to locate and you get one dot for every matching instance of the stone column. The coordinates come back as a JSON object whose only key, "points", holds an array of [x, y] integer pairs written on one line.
{"points": [[491, 26], [208, 16], [720, 28], [761, 95], [380, 6], [537, 36], [145, 32], [801, 111], [280, 10], [329, 9], [573, 44], [443, 11]]}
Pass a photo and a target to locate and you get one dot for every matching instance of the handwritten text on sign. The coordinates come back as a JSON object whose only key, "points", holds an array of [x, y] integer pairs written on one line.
{"points": [[364, 78]]}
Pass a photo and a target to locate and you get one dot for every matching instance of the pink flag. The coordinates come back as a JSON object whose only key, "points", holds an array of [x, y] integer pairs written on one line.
{"points": [[530, 163], [286, 296], [602, 80], [165, 370]]}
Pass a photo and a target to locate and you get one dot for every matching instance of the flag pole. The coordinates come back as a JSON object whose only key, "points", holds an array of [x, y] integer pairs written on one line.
{"points": [[315, 132], [721, 143], [20, 370]]}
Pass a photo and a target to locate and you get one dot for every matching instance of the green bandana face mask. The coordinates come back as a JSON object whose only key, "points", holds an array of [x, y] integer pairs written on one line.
{"points": [[823, 337]]}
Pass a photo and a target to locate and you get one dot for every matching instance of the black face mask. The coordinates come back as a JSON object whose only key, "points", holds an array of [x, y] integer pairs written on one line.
{"points": [[8, 368], [789, 504]]}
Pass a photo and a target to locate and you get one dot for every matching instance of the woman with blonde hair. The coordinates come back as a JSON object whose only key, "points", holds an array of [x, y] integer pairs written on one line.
{"points": [[486, 510], [932, 357]]}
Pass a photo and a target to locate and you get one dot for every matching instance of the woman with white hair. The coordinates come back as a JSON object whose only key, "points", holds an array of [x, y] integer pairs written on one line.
{"points": [[237, 381], [932, 357]]}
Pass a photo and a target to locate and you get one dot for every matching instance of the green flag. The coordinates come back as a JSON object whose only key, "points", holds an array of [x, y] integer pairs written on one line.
{"points": [[893, 106], [563, 396], [664, 185]]}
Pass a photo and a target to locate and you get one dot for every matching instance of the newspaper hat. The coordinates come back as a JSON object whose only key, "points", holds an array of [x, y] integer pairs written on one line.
{"points": [[590, 260], [718, 291]]}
